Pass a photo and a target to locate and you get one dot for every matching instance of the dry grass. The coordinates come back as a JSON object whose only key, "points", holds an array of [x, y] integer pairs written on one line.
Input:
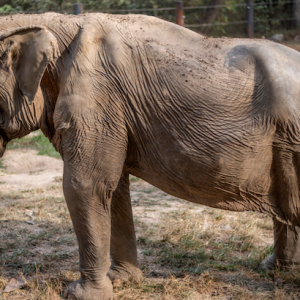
{"points": [[186, 253]]}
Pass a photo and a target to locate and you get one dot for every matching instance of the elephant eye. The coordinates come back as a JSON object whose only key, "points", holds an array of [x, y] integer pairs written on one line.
{"points": [[3, 60]]}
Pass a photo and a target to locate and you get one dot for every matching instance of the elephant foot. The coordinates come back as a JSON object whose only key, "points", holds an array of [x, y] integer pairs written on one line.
{"points": [[125, 274], [271, 263], [286, 254], [79, 290], [268, 264]]}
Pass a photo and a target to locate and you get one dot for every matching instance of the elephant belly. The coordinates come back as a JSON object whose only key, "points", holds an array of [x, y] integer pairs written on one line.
{"points": [[224, 173]]}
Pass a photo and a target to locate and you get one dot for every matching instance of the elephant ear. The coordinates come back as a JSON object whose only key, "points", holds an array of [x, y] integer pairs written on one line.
{"points": [[31, 48]]}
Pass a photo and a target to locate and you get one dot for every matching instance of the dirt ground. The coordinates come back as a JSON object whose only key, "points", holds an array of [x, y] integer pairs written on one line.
{"points": [[186, 251], [24, 169]]}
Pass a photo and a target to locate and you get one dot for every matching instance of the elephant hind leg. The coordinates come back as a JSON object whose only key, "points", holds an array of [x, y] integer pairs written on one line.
{"points": [[123, 249], [286, 247], [286, 168]]}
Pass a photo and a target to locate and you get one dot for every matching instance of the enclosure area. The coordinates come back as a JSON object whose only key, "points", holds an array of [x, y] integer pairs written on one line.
{"points": [[186, 251]]}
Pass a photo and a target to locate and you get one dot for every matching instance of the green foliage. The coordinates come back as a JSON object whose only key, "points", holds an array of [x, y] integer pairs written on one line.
{"points": [[38, 142], [6, 8], [268, 15], [36, 5]]}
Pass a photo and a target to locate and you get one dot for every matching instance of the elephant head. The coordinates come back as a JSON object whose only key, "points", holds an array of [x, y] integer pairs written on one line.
{"points": [[25, 53]]}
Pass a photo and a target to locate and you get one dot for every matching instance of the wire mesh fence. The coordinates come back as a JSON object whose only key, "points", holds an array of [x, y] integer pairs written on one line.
{"points": [[229, 20]]}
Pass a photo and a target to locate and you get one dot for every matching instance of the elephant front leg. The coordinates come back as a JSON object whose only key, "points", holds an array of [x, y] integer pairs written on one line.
{"points": [[123, 241], [286, 248], [89, 207]]}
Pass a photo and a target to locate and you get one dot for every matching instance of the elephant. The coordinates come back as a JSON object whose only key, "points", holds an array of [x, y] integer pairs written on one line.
{"points": [[214, 121]]}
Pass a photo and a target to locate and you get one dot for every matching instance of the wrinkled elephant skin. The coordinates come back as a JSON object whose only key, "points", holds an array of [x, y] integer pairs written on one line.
{"points": [[212, 121]]}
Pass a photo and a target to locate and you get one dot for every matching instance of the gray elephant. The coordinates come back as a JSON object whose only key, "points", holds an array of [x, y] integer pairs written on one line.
{"points": [[212, 121]]}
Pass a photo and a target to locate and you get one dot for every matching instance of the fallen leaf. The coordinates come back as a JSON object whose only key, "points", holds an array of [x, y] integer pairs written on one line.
{"points": [[227, 227], [29, 222], [16, 283]]}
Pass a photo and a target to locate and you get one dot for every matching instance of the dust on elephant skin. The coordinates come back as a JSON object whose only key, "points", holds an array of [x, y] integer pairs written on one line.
{"points": [[212, 121]]}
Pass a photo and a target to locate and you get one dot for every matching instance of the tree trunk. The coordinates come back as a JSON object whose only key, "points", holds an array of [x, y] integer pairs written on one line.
{"points": [[211, 14]]}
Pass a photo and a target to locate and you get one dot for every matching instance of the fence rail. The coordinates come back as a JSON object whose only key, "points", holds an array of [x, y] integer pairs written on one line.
{"points": [[237, 22]]}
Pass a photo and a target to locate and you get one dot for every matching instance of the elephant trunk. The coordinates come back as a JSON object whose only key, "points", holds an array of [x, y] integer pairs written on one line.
{"points": [[3, 142]]}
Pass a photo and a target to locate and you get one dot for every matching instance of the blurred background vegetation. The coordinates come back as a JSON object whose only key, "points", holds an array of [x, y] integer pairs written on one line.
{"points": [[227, 16]]}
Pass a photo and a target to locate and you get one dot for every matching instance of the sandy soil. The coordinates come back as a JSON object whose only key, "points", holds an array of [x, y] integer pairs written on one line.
{"points": [[23, 169]]}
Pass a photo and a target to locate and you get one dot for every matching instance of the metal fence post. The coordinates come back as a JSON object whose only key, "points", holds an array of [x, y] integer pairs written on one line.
{"points": [[250, 18], [296, 13], [179, 13], [78, 8]]}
